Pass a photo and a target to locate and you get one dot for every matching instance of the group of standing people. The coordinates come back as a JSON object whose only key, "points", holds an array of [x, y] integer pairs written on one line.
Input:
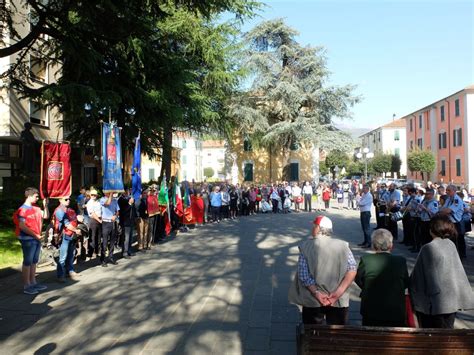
{"points": [[438, 286]]}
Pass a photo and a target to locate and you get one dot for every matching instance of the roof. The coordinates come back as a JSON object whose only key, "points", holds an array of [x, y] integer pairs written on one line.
{"points": [[400, 123], [213, 144]]}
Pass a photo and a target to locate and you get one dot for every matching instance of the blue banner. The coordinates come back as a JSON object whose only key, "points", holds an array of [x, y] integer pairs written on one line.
{"points": [[137, 171], [111, 159]]}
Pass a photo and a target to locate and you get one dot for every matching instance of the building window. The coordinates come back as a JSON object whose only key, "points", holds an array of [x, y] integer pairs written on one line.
{"points": [[442, 113], [248, 172], [38, 69], [411, 125], [294, 171], [419, 143], [183, 144], [247, 146], [442, 140], [427, 122], [458, 167], [397, 152], [411, 145], [38, 114], [456, 108], [294, 146], [151, 174], [443, 168], [457, 137], [397, 136], [420, 121], [184, 159]]}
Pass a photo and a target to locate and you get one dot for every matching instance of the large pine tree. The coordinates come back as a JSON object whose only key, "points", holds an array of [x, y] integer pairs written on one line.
{"points": [[289, 100]]}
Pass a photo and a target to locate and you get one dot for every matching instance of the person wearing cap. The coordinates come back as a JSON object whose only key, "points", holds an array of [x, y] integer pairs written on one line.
{"points": [[393, 206], [383, 278], [365, 206], [409, 208], [94, 210], [427, 210], [326, 269], [383, 198], [454, 209]]}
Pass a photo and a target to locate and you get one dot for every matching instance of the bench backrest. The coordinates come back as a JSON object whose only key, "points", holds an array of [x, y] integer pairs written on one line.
{"points": [[327, 339]]}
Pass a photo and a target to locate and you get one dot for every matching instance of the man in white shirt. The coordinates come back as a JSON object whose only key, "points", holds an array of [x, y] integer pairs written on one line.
{"points": [[94, 210], [308, 195], [296, 194], [365, 205]]}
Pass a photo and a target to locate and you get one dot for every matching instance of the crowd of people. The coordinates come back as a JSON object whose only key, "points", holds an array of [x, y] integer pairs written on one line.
{"points": [[438, 286]]}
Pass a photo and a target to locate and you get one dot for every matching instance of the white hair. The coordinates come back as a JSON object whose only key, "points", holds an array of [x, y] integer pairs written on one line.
{"points": [[382, 240]]}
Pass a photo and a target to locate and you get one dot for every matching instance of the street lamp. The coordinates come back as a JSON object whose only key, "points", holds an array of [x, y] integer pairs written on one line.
{"points": [[366, 154]]}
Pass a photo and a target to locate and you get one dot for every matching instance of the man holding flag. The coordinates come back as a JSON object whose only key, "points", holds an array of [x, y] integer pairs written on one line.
{"points": [[164, 226]]}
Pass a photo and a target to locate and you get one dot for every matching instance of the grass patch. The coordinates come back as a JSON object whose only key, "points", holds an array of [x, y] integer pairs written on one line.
{"points": [[10, 248]]}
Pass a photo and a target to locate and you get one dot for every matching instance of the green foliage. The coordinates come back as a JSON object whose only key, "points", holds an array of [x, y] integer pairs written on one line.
{"points": [[422, 161], [157, 66], [10, 248], [337, 158], [396, 164], [323, 168], [288, 101], [355, 168], [208, 172], [381, 163]]}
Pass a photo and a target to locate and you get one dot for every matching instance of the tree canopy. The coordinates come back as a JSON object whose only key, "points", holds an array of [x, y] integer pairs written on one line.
{"points": [[288, 100], [422, 161], [157, 66], [337, 158]]}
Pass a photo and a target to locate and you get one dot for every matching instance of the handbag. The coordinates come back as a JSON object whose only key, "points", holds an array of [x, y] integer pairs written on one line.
{"points": [[411, 320]]}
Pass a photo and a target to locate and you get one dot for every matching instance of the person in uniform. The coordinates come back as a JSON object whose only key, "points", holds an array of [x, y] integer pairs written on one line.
{"points": [[393, 205], [454, 208], [427, 209], [409, 209], [383, 198]]}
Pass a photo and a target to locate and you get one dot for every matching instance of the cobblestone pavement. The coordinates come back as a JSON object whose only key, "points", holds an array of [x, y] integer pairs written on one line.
{"points": [[219, 289]]}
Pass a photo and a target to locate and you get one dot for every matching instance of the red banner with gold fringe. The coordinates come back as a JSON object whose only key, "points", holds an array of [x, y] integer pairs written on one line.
{"points": [[56, 177]]}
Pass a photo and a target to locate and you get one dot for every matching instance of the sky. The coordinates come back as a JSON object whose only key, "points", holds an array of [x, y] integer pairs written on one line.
{"points": [[402, 55]]}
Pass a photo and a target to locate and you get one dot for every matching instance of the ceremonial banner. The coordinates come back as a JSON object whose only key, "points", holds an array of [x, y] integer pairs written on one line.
{"points": [[111, 159], [177, 201], [56, 178], [152, 205], [188, 213], [163, 198], [137, 171]]}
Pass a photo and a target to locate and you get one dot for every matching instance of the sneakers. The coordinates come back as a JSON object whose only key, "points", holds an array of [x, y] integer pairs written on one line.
{"points": [[30, 290], [40, 287]]}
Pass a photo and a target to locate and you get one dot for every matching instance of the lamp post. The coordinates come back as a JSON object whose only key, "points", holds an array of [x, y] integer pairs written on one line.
{"points": [[366, 154]]}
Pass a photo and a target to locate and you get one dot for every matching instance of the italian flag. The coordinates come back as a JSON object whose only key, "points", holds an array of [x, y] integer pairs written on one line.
{"points": [[177, 200]]}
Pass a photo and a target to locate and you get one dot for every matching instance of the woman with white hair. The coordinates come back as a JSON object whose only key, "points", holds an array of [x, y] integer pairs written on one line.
{"points": [[383, 278]]}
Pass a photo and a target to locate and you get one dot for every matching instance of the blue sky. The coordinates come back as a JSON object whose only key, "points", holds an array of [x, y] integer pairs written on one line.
{"points": [[402, 55]]}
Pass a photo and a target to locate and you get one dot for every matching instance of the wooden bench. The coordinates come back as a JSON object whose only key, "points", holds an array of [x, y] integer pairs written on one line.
{"points": [[338, 339]]}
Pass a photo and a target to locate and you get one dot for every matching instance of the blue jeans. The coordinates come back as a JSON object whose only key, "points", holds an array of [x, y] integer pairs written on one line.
{"points": [[365, 222], [66, 256], [31, 251]]}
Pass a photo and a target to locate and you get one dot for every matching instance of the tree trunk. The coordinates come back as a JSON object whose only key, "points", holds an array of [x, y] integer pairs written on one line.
{"points": [[166, 154]]}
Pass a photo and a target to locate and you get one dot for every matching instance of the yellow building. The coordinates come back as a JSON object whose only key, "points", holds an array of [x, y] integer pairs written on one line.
{"points": [[260, 165]]}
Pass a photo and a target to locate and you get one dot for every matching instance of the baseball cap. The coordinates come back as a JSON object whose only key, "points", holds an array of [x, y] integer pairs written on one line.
{"points": [[323, 222]]}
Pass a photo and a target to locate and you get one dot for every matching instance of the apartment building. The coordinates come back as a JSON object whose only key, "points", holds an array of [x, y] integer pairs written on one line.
{"points": [[443, 127], [213, 154], [388, 139]]}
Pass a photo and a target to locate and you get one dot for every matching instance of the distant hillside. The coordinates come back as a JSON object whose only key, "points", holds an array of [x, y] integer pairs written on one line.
{"points": [[354, 132]]}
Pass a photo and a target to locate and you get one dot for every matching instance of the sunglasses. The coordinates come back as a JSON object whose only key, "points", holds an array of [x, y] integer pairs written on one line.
{"points": [[67, 199]]}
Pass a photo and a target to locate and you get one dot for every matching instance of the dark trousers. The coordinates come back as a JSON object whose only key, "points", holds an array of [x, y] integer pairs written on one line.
{"points": [[109, 237], [326, 204], [225, 211], [460, 242], [307, 202], [417, 237], [365, 223], [333, 315], [275, 205], [95, 232], [393, 228], [149, 240], [425, 232], [445, 321], [216, 213], [159, 228], [407, 230]]}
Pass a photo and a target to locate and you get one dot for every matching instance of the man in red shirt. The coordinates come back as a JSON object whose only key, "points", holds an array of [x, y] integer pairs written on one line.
{"points": [[29, 222]]}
